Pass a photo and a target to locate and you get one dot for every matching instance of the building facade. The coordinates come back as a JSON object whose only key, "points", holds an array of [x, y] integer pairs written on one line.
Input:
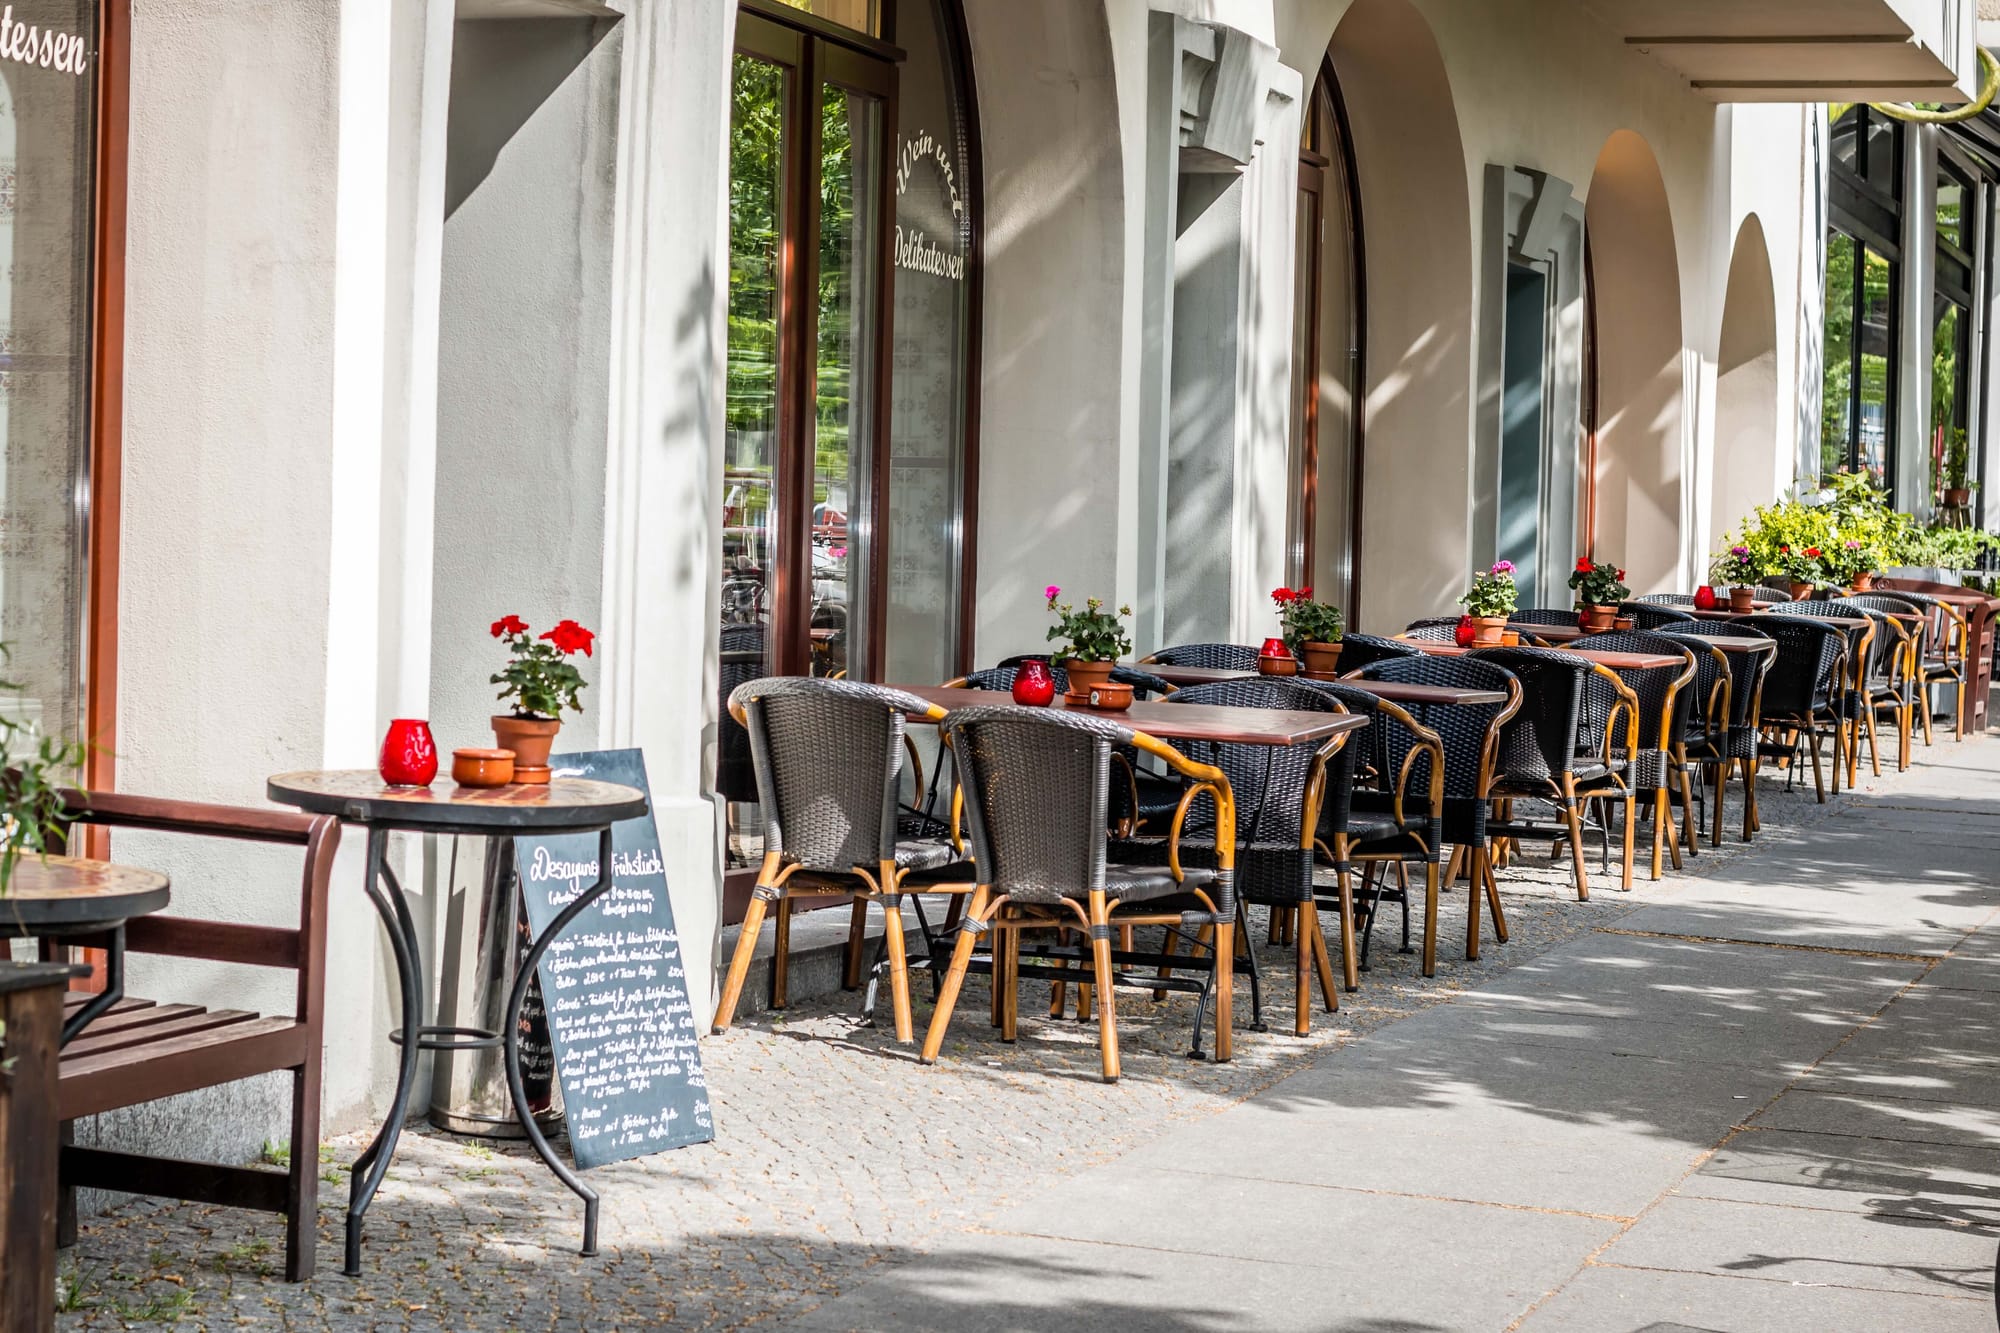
{"points": [[822, 336]]}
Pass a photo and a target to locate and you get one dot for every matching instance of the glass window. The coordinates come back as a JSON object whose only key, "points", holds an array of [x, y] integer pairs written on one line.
{"points": [[1857, 390], [1951, 330], [861, 15], [928, 418], [1524, 353], [1872, 421], [1951, 209], [47, 235], [1837, 398]]}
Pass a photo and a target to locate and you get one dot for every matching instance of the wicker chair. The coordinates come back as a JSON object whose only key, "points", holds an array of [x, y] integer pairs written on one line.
{"points": [[1542, 615], [1434, 629], [1656, 759], [1746, 693], [1539, 759], [1455, 808], [1667, 599], [1219, 656], [1894, 671], [1649, 616], [1802, 692], [1036, 788], [1849, 699], [1360, 650], [742, 660], [1277, 790], [829, 757], [1947, 639], [1704, 736]]}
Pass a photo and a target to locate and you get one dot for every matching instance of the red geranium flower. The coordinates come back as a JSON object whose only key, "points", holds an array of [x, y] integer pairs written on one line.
{"points": [[1621, 576], [569, 637], [510, 625], [1812, 552], [1304, 593], [1583, 564]]}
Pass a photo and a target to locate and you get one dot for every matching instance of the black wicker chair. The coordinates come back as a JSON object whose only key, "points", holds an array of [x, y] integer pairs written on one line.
{"points": [[1037, 785], [1682, 599], [1276, 790], [1849, 698], [1649, 616], [1663, 701], [1945, 649], [1894, 676], [1745, 709], [1539, 757], [1543, 615], [1432, 629], [1217, 656], [742, 660], [1456, 808], [1360, 650], [829, 757], [1704, 735], [1802, 691]]}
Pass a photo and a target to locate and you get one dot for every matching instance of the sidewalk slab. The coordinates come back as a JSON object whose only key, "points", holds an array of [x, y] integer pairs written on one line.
{"points": [[1945, 1182], [1606, 1299]]}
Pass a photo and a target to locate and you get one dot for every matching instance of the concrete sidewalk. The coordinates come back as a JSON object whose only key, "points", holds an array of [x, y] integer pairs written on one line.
{"points": [[1772, 1100]]}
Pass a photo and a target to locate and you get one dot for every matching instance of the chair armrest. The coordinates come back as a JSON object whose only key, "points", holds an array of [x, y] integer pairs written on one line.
{"points": [[123, 810], [1202, 777]]}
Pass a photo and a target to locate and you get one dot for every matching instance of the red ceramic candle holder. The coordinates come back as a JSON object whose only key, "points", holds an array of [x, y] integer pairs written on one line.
{"points": [[1034, 684], [409, 755]]}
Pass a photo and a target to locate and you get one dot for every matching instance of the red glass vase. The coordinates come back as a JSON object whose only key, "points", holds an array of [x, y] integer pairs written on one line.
{"points": [[1704, 598], [409, 755], [1465, 633], [1034, 684]]}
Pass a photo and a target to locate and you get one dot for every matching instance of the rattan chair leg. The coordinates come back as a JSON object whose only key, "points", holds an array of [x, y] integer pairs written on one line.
{"points": [[1750, 770], [781, 955], [1905, 726], [1275, 927], [1430, 917], [1662, 812], [1571, 810], [1167, 948], [1302, 963], [1059, 990], [1874, 748], [1493, 905], [857, 937], [739, 962], [1350, 965], [1924, 708], [1456, 868], [1472, 895], [1715, 817], [1008, 980], [954, 977], [899, 963], [1958, 710], [1225, 990], [1107, 1007]]}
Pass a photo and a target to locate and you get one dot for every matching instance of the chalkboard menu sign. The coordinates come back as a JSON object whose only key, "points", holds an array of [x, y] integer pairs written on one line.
{"points": [[613, 983]]}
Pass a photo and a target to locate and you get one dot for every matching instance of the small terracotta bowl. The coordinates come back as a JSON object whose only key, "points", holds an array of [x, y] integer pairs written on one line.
{"points": [[482, 768], [1112, 696], [1268, 665], [1510, 638]]}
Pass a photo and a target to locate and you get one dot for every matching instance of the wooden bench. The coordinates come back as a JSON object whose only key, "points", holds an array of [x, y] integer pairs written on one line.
{"points": [[141, 1050]]}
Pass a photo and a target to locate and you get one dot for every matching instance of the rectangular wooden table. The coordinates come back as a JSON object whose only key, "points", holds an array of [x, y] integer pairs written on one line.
{"points": [[1396, 691], [1178, 722], [1616, 661], [1723, 613]]}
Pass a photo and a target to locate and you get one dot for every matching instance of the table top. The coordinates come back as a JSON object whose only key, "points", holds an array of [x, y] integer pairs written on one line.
{"points": [[62, 893], [359, 796], [1396, 691], [1179, 722], [1738, 644], [1616, 661], [1724, 613]]}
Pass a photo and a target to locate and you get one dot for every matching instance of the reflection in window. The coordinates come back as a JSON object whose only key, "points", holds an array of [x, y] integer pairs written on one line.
{"points": [[1859, 349], [1872, 393], [47, 157], [861, 15]]}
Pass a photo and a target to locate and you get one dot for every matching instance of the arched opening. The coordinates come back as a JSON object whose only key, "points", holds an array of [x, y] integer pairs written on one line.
{"points": [[1637, 512], [1746, 470], [1410, 170]]}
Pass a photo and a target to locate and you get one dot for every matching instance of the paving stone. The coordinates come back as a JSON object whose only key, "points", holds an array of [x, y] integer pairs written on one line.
{"points": [[1884, 1117], [1942, 1182], [1606, 1299]]}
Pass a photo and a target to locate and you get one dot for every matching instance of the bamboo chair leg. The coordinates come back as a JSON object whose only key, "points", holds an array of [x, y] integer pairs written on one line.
{"points": [[1631, 834], [1274, 934], [1322, 963], [781, 957], [1661, 814], [1750, 767], [1430, 918], [1472, 895], [1924, 708], [1107, 1010], [1166, 969], [857, 940], [1493, 905], [954, 977], [1572, 812], [1905, 727], [1125, 938], [1291, 930], [1958, 712], [1819, 783], [739, 965], [1874, 747], [1009, 983], [998, 976], [1457, 866], [1690, 835], [899, 963], [1059, 990], [1350, 963], [1715, 818]]}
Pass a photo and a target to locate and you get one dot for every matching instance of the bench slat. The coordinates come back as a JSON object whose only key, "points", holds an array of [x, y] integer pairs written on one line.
{"points": [[145, 1015], [220, 941], [93, 1083], [91, 1042], [76, 999]]}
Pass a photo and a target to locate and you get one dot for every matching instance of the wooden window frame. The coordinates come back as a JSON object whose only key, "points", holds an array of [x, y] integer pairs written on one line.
{"points": [[103, 491]]}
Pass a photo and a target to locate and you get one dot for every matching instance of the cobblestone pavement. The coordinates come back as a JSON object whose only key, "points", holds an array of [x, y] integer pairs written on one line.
{"points": [[837, 1153]]}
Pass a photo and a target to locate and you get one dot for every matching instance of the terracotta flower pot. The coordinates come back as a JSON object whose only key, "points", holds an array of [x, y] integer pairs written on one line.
{"points": [[1864, 581], [529, 738], [1322, 660], [1488, 631], [1597, 617], [1957, 497], [1742, 599], [1801, 591], [1086, 676]]}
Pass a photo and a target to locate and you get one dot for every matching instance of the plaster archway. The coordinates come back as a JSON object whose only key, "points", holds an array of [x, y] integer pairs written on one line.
{"points": [[1636, 291], [1412, 554], [1745, 471]]}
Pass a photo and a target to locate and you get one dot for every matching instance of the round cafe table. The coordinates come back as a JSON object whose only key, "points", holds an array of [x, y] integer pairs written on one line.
{"points": [[565, 805], [49, 897]]}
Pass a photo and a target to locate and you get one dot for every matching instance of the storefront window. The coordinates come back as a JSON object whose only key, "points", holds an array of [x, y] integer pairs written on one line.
{"points": [[930, 413], [47, 235], [861, 15]]}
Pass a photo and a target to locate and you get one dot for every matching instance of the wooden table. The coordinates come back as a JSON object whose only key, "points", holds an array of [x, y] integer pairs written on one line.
{"points": [[52, 896], [1982, 614], [31, 1006], [1738, 644], [1616, 661], [565, 805], [1178, 722], [1723, 613], [1396, 691]]}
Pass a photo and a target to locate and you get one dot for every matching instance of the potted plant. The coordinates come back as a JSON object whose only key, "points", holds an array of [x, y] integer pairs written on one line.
{"points": [[542, 681], [37, 769], [1491, 600], [1738, 569], [1599, 588], [1096, 640], [1958, 483], [1312, 630], [1850, 563]]}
